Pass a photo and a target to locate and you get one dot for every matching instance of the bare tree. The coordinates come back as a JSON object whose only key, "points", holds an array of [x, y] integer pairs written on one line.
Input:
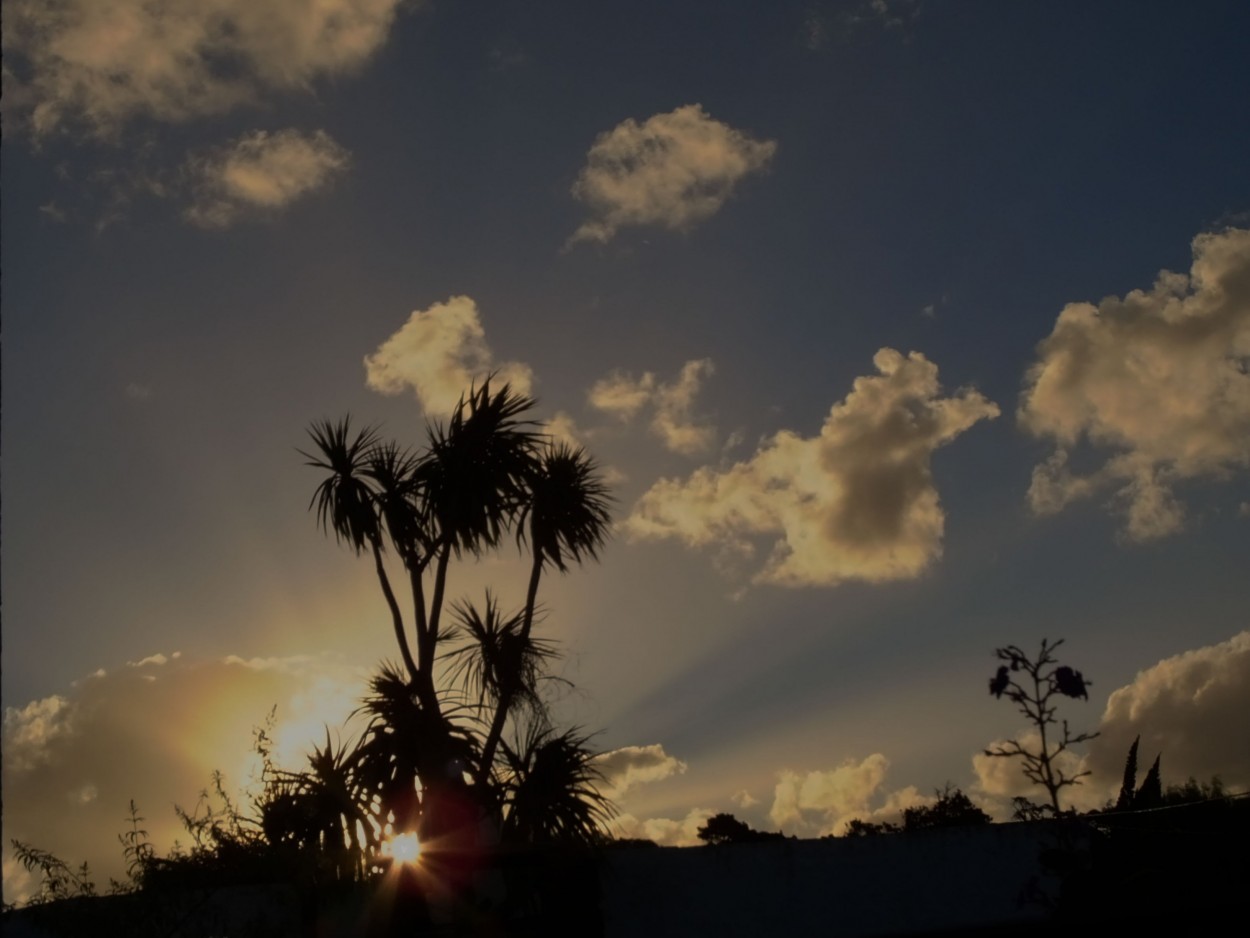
{"points": [[1032, 684]]}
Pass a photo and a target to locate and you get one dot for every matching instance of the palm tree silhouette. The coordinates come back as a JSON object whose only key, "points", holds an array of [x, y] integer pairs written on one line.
{"points": [[487, 473], [323, 810], [347, 505], [552, 790], [565, 517]]}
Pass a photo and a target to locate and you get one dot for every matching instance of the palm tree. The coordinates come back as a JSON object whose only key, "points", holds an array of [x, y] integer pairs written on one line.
{"points": [[485, 474]]}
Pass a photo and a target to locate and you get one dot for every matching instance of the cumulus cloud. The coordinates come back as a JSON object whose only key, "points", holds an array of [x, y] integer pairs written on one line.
{"points": [[624, 397], [153, 732], [1157, 381], [635, 765], [29, 731], [438, 353], [1194, 708], [673, 170], [826, 801], [96, 65], [667, 832], [857, 501], [259, 174], [998, 779], [1190, 708]]}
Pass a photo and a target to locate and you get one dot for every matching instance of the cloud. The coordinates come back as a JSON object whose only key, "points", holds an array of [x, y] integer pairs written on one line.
{"points": [[439, 353], [998, 779], [624, 397], [1194, 708], [667, 832], [1190, 708], [154, 732], [635, 765], [97, 65], [259, 174], [1157, 381], [857, 501], [29, 731], [673, 170], [562, 428], [826, 801]]}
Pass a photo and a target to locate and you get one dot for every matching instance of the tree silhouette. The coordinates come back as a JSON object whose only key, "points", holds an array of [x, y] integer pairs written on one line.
{"points": [[952, 809], [438, 722], [1041, 679], [727, 829]]}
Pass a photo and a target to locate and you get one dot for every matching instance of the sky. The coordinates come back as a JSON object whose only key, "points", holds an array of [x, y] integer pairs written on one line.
{"points": [[903, 331]]}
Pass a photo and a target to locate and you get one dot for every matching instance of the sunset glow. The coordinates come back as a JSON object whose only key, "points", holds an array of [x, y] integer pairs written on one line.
{"points": [[899, 331]]}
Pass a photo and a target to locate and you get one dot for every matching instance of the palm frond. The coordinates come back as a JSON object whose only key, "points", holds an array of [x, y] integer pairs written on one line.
{"points": [[398, 498], [404, 742], [498, 661], [476, 472], [344, 500], [553, 794], [567, 515]]}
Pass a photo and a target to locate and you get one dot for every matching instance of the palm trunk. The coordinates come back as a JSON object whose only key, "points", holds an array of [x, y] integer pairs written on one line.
{"points": [[531, 595], [397, 618], [427, 642], [505, 698]]}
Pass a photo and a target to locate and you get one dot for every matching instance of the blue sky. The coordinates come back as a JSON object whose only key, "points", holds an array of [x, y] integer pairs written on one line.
{"points": [[692, 231]]}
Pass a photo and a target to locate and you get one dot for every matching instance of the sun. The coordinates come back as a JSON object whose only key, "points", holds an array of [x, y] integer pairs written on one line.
{"points": [[402, 848]]}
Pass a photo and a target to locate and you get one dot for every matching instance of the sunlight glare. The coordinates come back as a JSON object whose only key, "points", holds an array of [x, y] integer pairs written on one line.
{"points": [[402, 848]]}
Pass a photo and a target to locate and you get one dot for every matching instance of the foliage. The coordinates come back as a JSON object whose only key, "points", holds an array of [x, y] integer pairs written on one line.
{"points": [[1195, 792], [951, 809], [58, 880], [551, 792], [138, 852], [1128, 784], [1034, 692], [861, 828], [727, 829]]}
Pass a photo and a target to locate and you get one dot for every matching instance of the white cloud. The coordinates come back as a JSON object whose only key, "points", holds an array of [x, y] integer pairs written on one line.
{"points": [[635, 765], [667, 832], [744, 799], [260, 173], [562, 428], [857, 501], [99, 64], [623, 396], [153, 732], [673, 170], [439, 353], [1158, 381], [30, 730], [1194, 708], [998, 779], [825, 801]]}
